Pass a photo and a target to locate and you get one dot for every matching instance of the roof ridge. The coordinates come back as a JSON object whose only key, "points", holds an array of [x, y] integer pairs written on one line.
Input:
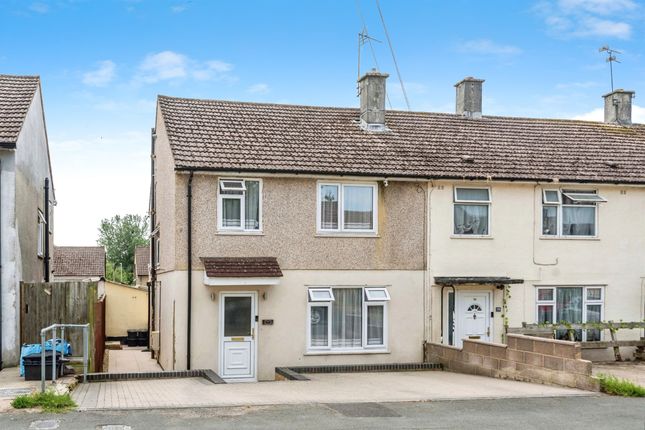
{"points": [[3, 75]]}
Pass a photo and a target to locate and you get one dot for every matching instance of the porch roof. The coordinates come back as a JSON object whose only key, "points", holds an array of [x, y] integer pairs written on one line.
{"points": [[482, 280], [241, 267]]}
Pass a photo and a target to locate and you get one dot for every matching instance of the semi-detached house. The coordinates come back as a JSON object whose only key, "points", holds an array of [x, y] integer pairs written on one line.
{"points": [[300, 235]]}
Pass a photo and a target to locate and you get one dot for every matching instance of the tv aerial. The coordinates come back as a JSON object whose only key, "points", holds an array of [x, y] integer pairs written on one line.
{"points": [[364, 39], [611, 58]]}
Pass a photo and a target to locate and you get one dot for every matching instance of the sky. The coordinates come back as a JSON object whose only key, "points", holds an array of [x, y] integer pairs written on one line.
{"points": [[103, 63]]}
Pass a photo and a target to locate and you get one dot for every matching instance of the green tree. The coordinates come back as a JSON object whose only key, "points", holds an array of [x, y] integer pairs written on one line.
{"points": [[120, 235]]}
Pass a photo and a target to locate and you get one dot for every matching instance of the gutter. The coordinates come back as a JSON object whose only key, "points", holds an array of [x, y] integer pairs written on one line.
{"points": [[190, 266], [47, 257]]}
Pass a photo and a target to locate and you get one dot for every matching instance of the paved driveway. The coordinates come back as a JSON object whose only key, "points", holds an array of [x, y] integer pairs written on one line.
{"points": [[633, 371], [323, 388]]}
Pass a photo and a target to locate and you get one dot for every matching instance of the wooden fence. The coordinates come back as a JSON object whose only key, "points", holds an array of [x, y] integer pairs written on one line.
{"points": [[45, 303]]}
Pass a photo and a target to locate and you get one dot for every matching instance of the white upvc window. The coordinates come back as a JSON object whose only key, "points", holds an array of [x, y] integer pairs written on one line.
{"points": [[472, 211], [42, 231], [570, 213], [157, 241], [347, 319], [573, 305], [347, 208], [239, 205]]}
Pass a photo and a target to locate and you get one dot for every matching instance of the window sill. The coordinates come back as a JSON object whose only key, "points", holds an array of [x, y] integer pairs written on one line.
{"points": [[592, 238], [470, 236], [239, 233], [348, 352], [342, 234]]}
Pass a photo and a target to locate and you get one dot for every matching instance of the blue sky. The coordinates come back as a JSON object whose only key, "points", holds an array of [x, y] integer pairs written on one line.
{"points": [[102, 65]]}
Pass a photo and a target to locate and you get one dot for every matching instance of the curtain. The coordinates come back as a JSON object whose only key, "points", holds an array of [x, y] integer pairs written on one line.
{"points": [[375, 325], [593, 315], [569, 309], [319, 325], [578, 221], [549, 220], [471, 219], [231, 212], [329, 207], [252, 205], [357, 207], [347, 312]]}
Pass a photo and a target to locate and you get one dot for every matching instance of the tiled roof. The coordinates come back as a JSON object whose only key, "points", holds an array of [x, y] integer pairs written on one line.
{"points": [[88, 261], [142, 260], [242, 267], [16, 94], [234, 136]]}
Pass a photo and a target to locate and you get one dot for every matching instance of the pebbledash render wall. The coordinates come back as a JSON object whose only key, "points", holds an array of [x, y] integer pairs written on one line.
{"points": [[524, 358], [614, 259]]}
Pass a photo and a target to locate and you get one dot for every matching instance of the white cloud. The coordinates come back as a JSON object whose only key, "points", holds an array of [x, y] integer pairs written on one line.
{"points": [[258, 89], [179, 8], [102, 76], [39, 7], [487, 47], [588, 18], [638, 115], [169, 65]]}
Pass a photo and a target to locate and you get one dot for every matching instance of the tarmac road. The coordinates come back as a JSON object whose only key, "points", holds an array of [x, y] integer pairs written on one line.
{"points": [[596, 412]]}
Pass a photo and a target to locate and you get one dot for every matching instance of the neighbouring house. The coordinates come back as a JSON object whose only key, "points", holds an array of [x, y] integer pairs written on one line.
{"points": [[301, 235], [79, 263], [142, 265], [126, 308], [27, 202]]}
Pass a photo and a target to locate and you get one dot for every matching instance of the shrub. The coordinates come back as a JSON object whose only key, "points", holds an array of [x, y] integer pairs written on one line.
{"points": [[48, 401], [620, 387]]}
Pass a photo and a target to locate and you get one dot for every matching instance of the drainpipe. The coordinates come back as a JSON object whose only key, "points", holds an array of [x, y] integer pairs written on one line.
{"points": [[1, 264], [153, 269], [190, 266], [46, 262]]}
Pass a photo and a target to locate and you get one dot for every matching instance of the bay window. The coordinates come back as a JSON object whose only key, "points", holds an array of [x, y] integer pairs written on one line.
{"points": [[347, 318], [570, 213], [472, 211], [573, 305], [347, 208], [239, 205]]}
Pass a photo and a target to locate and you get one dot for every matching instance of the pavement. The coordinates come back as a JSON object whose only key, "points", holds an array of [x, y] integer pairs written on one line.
{"points": [[573, 413], [632, 371], [322, 388], [131, 359], [13, 385]]}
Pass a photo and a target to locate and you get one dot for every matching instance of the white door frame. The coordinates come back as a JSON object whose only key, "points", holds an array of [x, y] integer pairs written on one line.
{"points": [[458, 317], [254, 329]]}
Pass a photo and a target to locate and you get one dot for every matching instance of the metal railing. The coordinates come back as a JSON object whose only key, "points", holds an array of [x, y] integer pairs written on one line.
{"points": [[54, 328]]}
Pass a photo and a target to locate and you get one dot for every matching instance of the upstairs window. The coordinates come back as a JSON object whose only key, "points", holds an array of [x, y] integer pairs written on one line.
{"points": [[239, 205], [42, 231], [347, 208], [570, 212], [472, 211]]}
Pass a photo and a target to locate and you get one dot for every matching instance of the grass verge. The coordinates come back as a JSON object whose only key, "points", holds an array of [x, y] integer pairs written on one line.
{"points": [[48, 401], [620, 387]]}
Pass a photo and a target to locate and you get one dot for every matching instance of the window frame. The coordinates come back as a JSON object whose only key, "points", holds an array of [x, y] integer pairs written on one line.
{"points": [[585, 303], [42, 231], [560, 212], [341, 207], [488, 203], [242, 198], [364, 309]]}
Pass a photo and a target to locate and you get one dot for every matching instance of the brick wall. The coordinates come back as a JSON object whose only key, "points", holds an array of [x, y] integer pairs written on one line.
{"points": [[524, 358]]}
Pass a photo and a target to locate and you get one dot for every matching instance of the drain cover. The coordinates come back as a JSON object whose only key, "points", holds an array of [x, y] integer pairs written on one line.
{"points": [[357, 410], [12, 392], [44, 424]]}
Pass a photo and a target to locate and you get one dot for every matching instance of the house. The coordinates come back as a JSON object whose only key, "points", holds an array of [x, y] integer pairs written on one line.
{"points": [[142, 265], [79, 263], [301, 235], [27, 202]]}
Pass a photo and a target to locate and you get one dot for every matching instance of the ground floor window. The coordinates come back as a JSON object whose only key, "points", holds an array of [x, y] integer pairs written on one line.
{"points": [[571, 305], [347, 318]]}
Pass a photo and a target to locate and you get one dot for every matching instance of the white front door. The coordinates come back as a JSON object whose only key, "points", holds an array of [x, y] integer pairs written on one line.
{"points": [[237, 336], [473, 319]]}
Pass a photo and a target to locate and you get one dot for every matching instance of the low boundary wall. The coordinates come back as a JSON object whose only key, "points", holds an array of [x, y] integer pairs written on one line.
{"points": [[524, 358]]}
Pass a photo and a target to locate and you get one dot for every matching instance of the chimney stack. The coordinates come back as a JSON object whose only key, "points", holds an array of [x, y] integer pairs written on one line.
{"points": [[371, 87], [469, 97], [618, 107]]}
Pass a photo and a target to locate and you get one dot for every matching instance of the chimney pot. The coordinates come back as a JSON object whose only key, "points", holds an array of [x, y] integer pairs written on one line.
{"points": [[618, 107], [371, 87], [469, 97]]}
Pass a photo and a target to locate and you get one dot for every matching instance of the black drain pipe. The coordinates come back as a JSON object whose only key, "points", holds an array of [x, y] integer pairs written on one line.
{"points": [[0, 265], [46, 262], [190, 267]]}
